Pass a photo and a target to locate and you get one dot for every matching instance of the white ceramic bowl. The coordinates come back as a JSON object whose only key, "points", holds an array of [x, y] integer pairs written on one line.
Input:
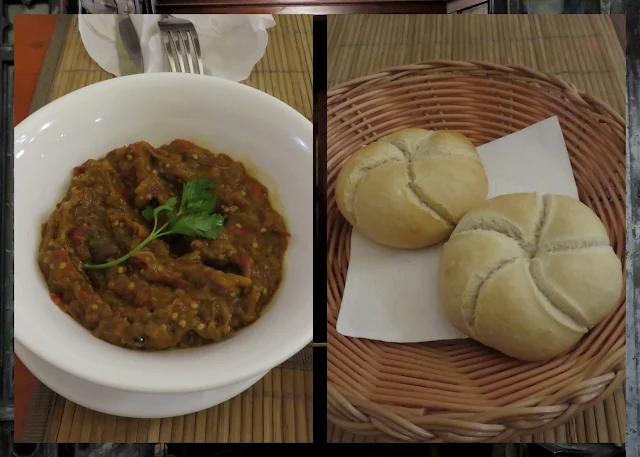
{"points": [[250, 126]]}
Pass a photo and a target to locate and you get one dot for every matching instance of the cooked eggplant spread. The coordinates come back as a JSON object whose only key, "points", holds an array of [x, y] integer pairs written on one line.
{"points": [[132, 255]]}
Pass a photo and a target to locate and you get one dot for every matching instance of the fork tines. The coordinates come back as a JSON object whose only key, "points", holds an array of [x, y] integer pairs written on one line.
{"points": [[183, 48]]}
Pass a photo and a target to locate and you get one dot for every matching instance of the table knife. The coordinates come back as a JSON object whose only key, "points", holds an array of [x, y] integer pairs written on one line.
{"points": [[129, 52]]}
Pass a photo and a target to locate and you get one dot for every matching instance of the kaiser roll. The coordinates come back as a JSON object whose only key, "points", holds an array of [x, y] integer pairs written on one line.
{"points": [[410, 188], [529, 275]]}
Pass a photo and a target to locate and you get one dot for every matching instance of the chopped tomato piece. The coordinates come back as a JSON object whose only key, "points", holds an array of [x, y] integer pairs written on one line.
{"points": [[86, 297], [140, 146], [245, 263], [59, 302], [77, 236], [256, 190], [139, 260], [183, 144], [82, 253], [181, 283]]}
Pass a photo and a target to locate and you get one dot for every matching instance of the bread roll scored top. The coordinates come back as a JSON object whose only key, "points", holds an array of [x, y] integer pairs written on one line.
{"points": [[529, 275], [410, 188]]}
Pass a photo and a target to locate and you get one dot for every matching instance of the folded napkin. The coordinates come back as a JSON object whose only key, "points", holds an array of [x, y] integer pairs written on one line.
{"points": [[391, 294], [231, 44]]}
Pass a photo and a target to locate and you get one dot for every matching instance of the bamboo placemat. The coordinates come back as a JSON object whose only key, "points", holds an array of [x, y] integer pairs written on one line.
{"points": [[581, 49], [279, 407], [284, 71]]}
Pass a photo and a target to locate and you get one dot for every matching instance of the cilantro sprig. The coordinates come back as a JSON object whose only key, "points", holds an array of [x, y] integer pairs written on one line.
{"points": [[195, 217]]}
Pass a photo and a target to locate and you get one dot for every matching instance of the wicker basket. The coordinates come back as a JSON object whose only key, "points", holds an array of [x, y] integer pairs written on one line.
{"points": [[461, 391]]}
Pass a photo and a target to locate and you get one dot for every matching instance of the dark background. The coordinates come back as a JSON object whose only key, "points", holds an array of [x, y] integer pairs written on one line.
{"points": [[6, 230]]}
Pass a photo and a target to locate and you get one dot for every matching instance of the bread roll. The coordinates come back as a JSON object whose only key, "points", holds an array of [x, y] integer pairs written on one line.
{"points": [[410, 188], [529, 275]]}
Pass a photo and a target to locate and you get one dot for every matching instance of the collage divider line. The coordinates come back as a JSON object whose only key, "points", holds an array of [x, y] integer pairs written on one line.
{"points": [[320, 228]]}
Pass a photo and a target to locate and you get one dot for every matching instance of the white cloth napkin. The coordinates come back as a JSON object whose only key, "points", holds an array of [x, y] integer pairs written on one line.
{"points": [[231, 44], [391, 294]]}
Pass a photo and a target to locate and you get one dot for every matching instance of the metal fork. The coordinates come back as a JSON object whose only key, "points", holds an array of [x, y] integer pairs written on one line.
{"points": [[182, 45]]}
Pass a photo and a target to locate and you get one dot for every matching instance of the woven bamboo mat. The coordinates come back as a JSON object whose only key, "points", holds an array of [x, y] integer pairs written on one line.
{"points": [[284, 71], [279, 408], [581, 49]]}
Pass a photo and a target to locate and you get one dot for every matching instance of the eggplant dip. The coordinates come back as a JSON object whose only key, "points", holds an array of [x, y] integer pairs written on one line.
{"points": [[173, 247]]}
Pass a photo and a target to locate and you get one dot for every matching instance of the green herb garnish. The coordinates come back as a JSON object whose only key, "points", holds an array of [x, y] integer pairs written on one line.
{"points": [[195, 217]]}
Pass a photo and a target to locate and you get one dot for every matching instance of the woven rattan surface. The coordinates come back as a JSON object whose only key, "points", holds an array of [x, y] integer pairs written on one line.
{"points": [[462, 391], [603, 422], [279, 408]]}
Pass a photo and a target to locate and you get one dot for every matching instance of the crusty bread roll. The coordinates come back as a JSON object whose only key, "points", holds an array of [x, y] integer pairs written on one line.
{"points": [[410, 188], [529, 275]]}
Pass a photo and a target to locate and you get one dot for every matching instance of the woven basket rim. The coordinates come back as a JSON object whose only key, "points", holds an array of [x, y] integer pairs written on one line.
{"points": [[593, 380], [480, 64]]}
